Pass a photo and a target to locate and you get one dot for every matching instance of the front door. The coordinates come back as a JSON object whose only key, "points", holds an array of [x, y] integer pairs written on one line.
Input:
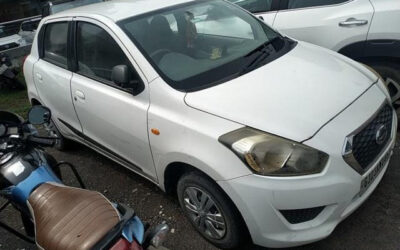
{"points": [[113, 117], [328, 23]]}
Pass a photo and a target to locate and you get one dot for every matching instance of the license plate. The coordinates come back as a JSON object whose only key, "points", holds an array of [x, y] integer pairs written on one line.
{"points": [[370, 178]]}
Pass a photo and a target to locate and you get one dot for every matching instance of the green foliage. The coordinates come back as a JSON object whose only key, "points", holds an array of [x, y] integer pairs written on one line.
{"points": [[14, 101]]}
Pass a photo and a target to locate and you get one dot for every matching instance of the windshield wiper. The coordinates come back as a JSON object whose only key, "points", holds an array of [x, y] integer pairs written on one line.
{"points": [[261, 53], [254, 63], [263, 46]]}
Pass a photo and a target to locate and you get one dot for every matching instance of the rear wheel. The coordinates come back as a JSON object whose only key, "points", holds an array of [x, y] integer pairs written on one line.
{"points": [[209, 210], [390, 73]]}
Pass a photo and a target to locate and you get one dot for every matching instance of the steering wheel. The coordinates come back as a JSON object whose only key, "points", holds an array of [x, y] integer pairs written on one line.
{"points": [[158, 54]]}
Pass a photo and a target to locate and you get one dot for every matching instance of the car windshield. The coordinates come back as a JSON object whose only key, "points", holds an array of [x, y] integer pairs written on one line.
{"points": [[201, 43], [73, 4]]}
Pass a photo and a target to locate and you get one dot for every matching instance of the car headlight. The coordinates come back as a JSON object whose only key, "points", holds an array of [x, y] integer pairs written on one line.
{"points": [[267, 154]]}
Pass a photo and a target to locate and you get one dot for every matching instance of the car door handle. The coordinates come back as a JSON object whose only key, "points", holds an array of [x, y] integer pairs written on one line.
{"points": [[39, 76], [80, 95], [353, 22]]}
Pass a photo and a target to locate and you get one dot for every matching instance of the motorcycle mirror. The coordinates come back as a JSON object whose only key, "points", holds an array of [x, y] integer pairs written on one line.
{"points": [[3, 130], [39, 115], [158, 235]]}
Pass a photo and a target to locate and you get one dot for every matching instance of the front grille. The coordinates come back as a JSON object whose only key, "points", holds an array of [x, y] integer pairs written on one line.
{"points": [[8, 46], [295, 216], [365, 144]]}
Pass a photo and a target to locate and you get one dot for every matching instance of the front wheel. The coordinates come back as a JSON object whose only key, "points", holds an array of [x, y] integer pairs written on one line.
{"points": [[210, 211], [390, 73]]}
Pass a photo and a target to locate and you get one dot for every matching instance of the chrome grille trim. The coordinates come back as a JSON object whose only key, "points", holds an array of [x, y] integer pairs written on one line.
{"points": [[347, 151]]}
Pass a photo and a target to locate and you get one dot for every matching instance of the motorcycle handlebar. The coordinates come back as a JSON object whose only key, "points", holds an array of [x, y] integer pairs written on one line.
{"points": [[46, 142]]}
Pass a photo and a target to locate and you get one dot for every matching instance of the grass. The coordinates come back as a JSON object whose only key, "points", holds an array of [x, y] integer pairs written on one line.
{"points": [[15, 101]]}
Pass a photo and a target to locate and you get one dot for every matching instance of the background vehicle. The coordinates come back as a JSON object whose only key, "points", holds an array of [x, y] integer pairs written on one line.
{"points": [[28, 29], [53, 7], [8, 74], [363, 30], [30, 180], [9, 40], [255, 132]]}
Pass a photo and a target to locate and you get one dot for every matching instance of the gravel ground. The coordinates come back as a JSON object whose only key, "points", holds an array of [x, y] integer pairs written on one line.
{"points": [[375, 225]]}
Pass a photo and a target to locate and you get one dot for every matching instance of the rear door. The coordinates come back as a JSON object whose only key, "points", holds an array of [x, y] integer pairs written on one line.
{"points": [[113, 117], [52, 76], [329, 23]]}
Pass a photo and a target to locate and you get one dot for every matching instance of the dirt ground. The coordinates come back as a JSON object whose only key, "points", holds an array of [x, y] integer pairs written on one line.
{"points": [[375, 225]]}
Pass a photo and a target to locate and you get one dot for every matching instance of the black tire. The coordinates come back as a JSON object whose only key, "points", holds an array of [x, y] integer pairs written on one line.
{"points": [[389, 72], [235, 231], [61, 143]]}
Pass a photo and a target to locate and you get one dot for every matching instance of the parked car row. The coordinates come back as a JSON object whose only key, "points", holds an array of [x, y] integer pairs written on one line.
{"points": [[257, 133], [9, 40], [17, 34], [364, 30]]}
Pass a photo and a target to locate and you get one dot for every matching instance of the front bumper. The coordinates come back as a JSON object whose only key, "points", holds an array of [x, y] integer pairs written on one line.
{"points": [[260, 199]]}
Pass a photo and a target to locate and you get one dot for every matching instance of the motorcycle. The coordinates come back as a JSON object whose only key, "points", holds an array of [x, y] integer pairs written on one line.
{"points": [[56, 216], [8, 74]]}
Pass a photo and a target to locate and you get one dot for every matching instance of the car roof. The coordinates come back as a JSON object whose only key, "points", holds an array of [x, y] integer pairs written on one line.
{"points": [[120, 9]]}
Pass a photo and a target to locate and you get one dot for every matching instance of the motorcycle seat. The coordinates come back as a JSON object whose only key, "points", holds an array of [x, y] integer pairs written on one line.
{"points": [[68, 218]]}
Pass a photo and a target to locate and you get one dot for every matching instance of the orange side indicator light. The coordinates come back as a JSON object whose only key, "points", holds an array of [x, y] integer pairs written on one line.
{"points": [[155, 131]]}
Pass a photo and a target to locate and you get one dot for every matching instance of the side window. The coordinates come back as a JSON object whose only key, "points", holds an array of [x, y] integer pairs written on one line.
{"points": [[98, 54], [172, 22], [254, 6], [55, 43], [219, 22], [296, 4]]}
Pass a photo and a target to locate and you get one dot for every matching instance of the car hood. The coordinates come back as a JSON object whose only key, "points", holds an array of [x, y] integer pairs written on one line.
{"points": [[292, 96]]}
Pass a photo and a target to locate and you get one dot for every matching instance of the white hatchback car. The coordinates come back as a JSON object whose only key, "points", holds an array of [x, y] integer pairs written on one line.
{"points": [[254, 131]]}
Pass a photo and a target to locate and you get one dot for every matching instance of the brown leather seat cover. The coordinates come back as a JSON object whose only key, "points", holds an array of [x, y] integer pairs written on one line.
{"points": [[70, 218]]}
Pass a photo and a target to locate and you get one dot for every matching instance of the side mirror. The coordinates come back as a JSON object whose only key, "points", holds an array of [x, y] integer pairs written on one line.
{"points": [[156, 236], [3, 130], [120, 75], [39, 115]]}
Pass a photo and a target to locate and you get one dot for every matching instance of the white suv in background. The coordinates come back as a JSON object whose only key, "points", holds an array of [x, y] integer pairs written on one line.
{"points": [[365, 30], [255, 132], [9, 41]]}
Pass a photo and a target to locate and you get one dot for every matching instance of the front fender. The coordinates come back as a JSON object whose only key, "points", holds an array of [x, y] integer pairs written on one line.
{"points": [[382, 48]]}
